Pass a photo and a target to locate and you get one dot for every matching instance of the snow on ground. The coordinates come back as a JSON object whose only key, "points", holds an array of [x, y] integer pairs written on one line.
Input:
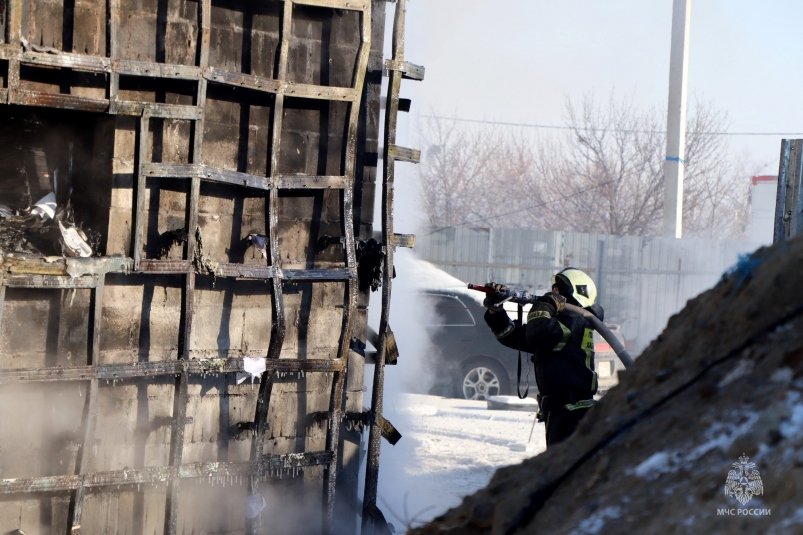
{"points": [[450, 448]]}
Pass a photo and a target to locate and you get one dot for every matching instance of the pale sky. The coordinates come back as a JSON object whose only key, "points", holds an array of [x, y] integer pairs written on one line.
{"points": [[518, 60]]}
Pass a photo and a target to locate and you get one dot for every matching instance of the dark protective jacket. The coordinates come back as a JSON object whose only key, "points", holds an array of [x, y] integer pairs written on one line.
{"points": [[563, 350]]}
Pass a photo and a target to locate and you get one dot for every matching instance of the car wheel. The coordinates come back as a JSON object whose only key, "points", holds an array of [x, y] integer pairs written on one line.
{"points": [[483, 378]]}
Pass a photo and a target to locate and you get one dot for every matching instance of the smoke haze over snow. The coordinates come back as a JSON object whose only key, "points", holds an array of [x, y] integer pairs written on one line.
{"points": [[450, 449]]}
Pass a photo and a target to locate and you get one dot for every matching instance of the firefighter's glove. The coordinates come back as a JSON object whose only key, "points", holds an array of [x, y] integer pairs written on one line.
{"points": [[555, 303], [498, 320], [495, 298]]}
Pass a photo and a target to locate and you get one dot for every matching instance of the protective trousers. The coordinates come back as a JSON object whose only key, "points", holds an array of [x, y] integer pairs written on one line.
{"points": [[561, 423]]}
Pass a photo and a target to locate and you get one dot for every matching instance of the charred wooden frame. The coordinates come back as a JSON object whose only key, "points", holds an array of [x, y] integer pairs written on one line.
{"points": [[91, 273]]}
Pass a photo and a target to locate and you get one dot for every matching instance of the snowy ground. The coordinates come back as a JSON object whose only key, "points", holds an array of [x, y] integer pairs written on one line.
{"points": [[450, 448]]}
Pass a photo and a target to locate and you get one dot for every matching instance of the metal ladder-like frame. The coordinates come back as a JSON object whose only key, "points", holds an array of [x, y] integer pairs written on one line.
{"points": [[262, 466], [397, 68]]}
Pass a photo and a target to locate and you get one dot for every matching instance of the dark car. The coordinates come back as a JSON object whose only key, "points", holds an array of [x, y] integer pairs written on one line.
{"points": [[469, 361]]}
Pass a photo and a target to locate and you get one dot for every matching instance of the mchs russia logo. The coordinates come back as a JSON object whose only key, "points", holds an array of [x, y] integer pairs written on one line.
{"points": [[743, 482]]}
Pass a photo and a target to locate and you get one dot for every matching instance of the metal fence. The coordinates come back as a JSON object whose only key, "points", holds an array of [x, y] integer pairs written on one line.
{"points": [[641, 281]]}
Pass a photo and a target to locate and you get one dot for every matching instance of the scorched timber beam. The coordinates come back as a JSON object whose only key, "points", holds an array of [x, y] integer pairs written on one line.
{"points": [[119, 372], [270, 467]]}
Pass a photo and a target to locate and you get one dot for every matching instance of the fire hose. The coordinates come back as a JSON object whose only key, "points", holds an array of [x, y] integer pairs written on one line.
{"points": [[524, 298]]}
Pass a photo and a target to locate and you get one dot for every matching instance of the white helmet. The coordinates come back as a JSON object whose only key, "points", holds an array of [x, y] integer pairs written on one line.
{"points": [[574, 283]]}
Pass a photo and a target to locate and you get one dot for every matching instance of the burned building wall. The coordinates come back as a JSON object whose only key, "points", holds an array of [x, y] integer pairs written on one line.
{"points": [[216, 157]]}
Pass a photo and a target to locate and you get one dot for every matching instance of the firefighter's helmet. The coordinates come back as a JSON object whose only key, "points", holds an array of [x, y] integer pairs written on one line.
{"points": [[574, 284]]}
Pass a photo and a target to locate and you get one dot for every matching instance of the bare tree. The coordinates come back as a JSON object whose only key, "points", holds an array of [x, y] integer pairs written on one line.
{"points": [[606, 176], [716, 186], [610, 176], [475, 177]]}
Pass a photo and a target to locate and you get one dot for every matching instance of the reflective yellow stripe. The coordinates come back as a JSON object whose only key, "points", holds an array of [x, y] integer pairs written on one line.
{"points": [[566, 334], [538, 314], [585, 404], [588, 347]]}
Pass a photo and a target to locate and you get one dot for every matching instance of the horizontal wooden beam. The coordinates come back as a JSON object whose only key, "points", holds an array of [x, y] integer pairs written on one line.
{"points": [[292, 89], [165, 267], [409, 70], [55, 282], [236, 178], [247, 81], [403, 240], [269, 467], [127, 67], [312, 182], [353, 5], [86, 276], [320, 92], [205, 172], [119, 372], [25, 97], [319, 275], [155, 109], [67, 60], [403, 154], [246, 271]]}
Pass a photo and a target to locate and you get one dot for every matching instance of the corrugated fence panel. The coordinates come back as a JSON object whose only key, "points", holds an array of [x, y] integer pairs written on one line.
{"points": [[642, 280]]}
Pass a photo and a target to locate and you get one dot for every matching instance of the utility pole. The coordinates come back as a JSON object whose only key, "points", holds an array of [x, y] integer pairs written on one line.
{"points": [[675, 163]]}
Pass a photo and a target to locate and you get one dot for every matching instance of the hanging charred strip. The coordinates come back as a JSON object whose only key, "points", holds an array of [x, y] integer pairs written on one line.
{"points": [[178, 423], [191, 252], [278, 325], [351, 286], [2, 297], [388, 244], [90, 410], [113, 10], [139, 207], [14, 38], [268, 467]]}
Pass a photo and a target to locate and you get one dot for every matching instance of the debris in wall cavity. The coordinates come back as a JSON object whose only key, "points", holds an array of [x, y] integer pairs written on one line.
{"points": [[370, 260], [203, 264], [46, 228], [169, 238], [260, 242], [74, 241], [45, 207]]}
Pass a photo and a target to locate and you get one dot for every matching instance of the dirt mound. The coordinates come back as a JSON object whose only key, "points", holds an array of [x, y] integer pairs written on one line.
{"points": [[720, 388]]}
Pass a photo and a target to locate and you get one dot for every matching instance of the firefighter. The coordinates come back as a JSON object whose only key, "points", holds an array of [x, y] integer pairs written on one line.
{"points": [[562, 347]]}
